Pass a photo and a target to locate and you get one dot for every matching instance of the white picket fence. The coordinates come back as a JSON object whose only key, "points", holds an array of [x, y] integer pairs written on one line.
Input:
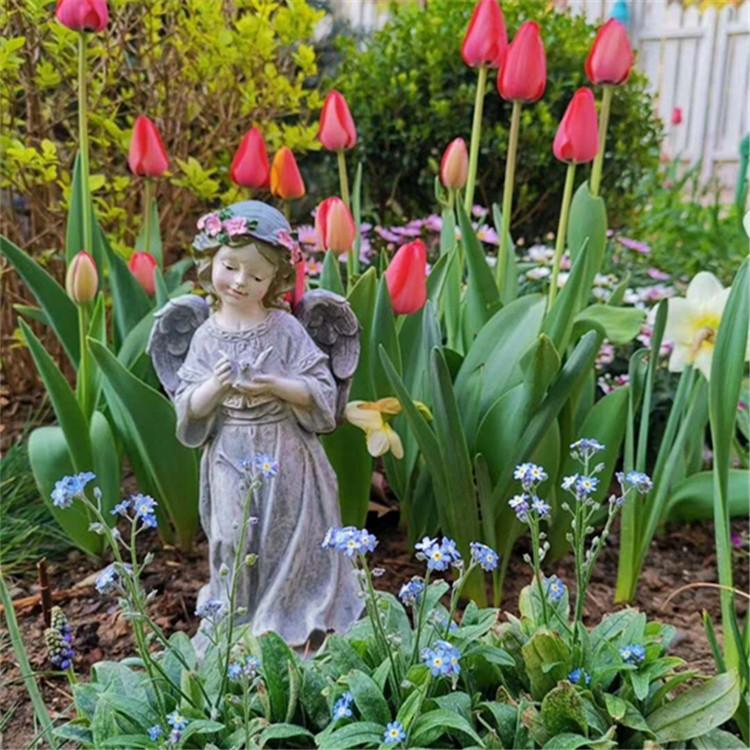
{"points": [[696, 60]]}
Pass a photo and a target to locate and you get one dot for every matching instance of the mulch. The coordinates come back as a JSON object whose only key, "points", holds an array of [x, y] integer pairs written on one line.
{"points": [[683, 555]]}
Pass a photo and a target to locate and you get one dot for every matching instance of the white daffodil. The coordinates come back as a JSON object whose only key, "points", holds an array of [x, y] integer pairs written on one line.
{"points": [[693, 321], [373, 417]]}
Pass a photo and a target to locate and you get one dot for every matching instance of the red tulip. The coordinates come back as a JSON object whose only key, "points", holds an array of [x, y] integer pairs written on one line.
{"points": [[454, 166], [83, 15], [577, 137], [82, 279], [677, 116], [147, 156], [406, 277], [250, 167], [486, 40], [286, 180], [523, 76], [335, 226], [143, 266], [611, 58], [337, 130]]}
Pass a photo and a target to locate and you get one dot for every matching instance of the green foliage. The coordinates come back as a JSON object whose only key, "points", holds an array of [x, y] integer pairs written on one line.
{"points": [[686, 225], [411, 94], [204, 70]]}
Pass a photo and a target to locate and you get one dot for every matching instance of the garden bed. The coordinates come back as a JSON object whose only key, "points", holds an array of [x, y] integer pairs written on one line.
{"points": [[683, 555]]}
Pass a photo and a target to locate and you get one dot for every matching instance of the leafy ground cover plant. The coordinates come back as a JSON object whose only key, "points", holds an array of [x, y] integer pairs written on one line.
{"points": [[411, 673]]}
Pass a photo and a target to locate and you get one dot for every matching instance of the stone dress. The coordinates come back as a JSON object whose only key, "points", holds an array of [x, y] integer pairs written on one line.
{"points": [[296, 587]]}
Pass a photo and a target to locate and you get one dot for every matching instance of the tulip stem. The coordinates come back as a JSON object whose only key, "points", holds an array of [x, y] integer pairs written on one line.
{"points": [[562, 230], [83, 375], [83, 146], [510, 176], [596, 170], [148, 194], [343, 178], [476, 131]]}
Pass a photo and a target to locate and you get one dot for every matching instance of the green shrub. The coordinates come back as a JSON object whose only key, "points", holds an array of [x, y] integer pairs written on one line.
{"points": [[411, 94], [204, 70], [686, 226]]}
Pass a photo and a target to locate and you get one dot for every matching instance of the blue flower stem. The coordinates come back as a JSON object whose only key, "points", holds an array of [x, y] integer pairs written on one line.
{"points": [[534, 527], [456, 596], [239, 560], [420, 620], [380, 630], [476, 132]]}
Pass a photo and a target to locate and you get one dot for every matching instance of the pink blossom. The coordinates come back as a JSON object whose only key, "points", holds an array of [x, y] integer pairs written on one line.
{"points": [[212, 224], [236, 225], [387, 234], [479, 211], [488, 235], [658, 275], [434, 223], [638, 247]]}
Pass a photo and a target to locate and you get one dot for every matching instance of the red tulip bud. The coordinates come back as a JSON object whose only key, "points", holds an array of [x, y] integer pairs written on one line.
{"points": [[337, 131], [577, 138], [611, 58], [335, 226], [250, 167], [83, 15], [147, 156], [677, 116], [143, 266], [286, 180], [406, 277], [486, 40], [82, 279], [523, 76], [454, 167]]}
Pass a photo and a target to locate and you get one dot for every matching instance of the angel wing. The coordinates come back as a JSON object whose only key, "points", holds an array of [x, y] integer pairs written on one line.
{"points": [[174, 326], [333, 326]]}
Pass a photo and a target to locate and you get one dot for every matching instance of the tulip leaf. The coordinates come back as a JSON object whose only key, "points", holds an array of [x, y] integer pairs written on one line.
{"points": [[151, 244], [331, 277], [558, 323], [63, 400], [621, 324], [692, 499], [587, 227], [175, 273], [362, 301], [106, 464], [383, 333], [74, 240], [59, 310], [151, 425], [510, 292], [482, 297], [50, 460], [129, 301], [135, 342]]}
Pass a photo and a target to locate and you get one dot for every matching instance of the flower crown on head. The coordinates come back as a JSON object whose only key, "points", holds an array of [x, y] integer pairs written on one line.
{"points": [[225, 228]]}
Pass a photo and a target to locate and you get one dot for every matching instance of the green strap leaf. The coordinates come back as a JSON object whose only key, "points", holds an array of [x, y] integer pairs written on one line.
{"points": [[59, 310]]}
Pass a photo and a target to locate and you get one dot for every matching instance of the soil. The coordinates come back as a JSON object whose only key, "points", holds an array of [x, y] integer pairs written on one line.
{"points": [[683, 555]]}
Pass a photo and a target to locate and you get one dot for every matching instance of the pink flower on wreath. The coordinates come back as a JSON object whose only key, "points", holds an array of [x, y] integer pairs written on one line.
{"points": [[235, 226], [211, 223]]}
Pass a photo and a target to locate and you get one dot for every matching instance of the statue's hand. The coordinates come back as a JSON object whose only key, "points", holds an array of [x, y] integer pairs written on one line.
{"points": [[259, 385], [223, 371]]}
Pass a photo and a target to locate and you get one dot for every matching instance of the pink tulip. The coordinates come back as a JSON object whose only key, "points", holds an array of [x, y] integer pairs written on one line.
{"points": [[486, 39], [83, 15], [611, 58], [250, 167], [335, 226], [454, 166], [147, 156], [143, 266], [337, 130], [577, 138], [523, 76], [406, 277]]}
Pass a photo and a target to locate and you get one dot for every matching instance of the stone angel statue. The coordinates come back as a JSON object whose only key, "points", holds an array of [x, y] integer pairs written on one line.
{"points": [[253, 385]]}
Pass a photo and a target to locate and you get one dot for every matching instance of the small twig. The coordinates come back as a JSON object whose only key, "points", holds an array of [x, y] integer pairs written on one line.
{"points": [[703, 585], [45, 592]]}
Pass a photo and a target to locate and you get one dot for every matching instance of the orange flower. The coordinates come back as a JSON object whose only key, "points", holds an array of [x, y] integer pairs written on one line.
{"points": [[286, 180], [335, 226]]}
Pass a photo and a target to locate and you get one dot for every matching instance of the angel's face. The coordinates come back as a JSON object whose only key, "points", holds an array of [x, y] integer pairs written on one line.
{"points": [[241, 276]]}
